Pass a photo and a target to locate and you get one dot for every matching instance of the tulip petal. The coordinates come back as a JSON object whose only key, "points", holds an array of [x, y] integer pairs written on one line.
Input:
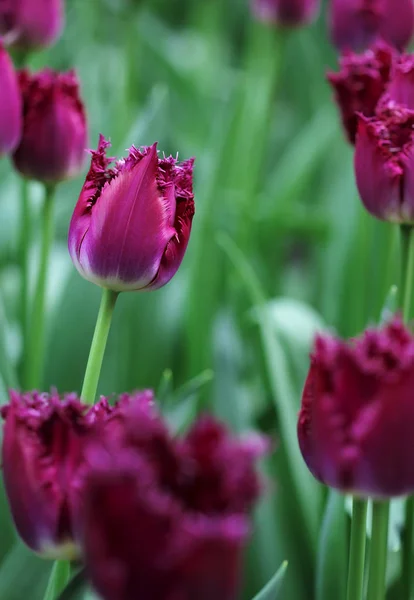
{"points": [[10, 105], [129, 228], [378, 176]]}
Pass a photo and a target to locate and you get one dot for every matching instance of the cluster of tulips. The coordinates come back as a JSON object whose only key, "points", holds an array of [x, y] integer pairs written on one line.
{"points": [[155, 515]]}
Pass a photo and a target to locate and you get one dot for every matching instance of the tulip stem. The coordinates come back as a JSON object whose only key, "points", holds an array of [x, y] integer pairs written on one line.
{"points": [[407, 269], [97, 351], [58, 579], [379, 550], [357, 550], [407, 283], [24, 257], [34, 357]]}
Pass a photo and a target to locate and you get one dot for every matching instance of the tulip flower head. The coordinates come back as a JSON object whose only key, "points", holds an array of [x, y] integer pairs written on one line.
{"points": [[167, 514], [132, 222], [42, 456], [356, 24], [10, 104], [287, 13], [356, 424], [360, 83], [52, 147], [31, 24]]}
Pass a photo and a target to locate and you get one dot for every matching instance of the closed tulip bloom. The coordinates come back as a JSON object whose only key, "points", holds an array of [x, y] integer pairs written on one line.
{"points": [[54, 139], [43, 461], [167, 517], [132, 222], [356, 424], [10, 105], [356, 24], [360, 83], [384, 163], [31, 24], [287, 13]]}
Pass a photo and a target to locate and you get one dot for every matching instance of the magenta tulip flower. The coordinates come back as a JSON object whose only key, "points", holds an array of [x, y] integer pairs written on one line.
{"points": [[31, 24], [42, 458], [356, 24], [132, 222], [52, 147], [10, 104], [360, 83], [356, 424], [167, 515], [289, 13]]}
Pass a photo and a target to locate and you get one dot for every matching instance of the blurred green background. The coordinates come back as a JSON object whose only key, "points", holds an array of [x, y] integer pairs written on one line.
{"points": [[280, 249]]}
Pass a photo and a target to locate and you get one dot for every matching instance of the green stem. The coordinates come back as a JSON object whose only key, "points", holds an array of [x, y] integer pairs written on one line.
{"points": [[357, 550], [25, 235], [96, 354], [407, 283], [379, 548], [58, 580], [407, 269], [34, 357]]}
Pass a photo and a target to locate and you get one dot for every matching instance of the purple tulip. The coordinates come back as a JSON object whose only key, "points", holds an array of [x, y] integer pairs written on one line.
{"points": [[10, 105], [356, 424], [30, 24], [287, 13], [52, 147], [167, 515], [356, 24], [360, 83], [132, 222], [42, 456]]}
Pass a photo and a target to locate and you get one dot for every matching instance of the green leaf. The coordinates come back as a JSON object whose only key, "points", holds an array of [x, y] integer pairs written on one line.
{"points": [[332, 556], [282, 388], [23, 575], [272, 588]]}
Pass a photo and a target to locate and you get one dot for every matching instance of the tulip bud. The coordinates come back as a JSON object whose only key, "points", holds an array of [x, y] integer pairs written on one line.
{"points": [[167, 514], [360, 83], [356, 423], [132, 222], [42, 455], [10, 105], [356, 24], [384, 163], [30, 24], [54, 137], [289, 13]]}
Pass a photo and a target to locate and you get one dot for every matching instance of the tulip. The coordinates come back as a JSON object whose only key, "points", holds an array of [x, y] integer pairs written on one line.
{"points": [[356, 423], [167, 517], [384, 167], [10, 105], [52, 147], [287, 13], [356, 24], [31, 24], [360, 83], [132, 222], [43, 462]]}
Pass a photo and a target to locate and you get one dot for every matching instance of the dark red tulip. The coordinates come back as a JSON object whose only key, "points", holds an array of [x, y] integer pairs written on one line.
{"points": [[31, 24], [52, 147], [356, 424], [384, 163], [360, 83], [43, 464], [132, 222], [289, 13], [165, 515], [10, 105], [356, 24]]}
